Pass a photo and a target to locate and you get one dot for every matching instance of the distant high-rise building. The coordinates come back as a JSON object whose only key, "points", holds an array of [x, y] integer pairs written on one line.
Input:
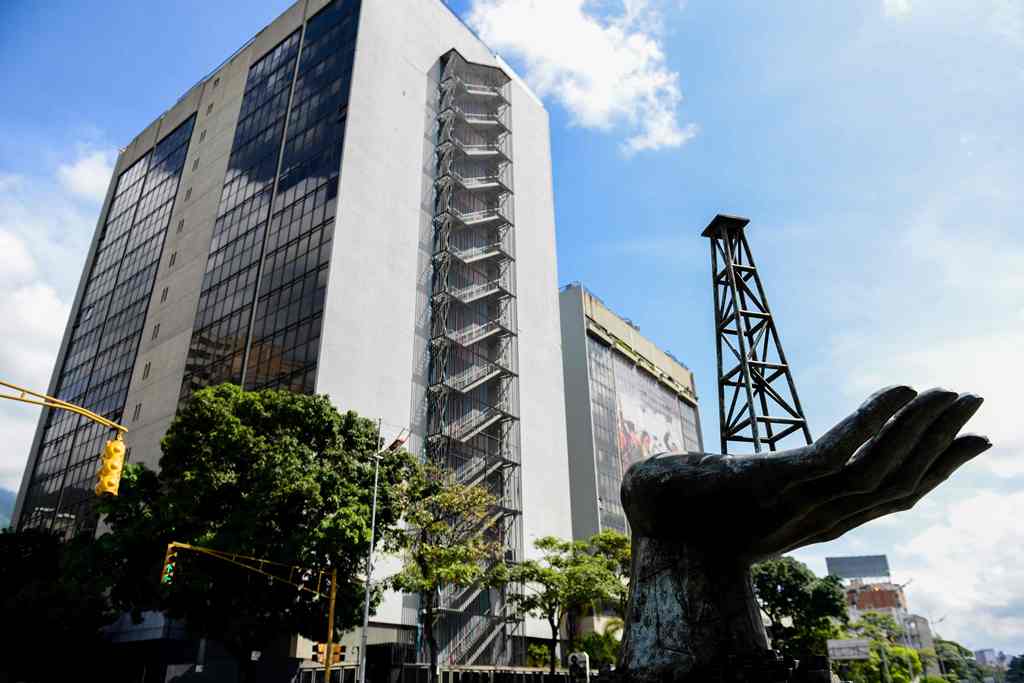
{"points": [[359, 203], [625, 400]]}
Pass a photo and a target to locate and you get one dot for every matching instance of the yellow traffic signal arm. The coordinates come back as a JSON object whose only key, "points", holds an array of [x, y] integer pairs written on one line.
{"points": [[35, 398], [112, 461], [254, 564]]}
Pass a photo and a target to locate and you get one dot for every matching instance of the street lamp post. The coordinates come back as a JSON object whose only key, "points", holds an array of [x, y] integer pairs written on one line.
{"points": [[395, 445], [369, 570]]}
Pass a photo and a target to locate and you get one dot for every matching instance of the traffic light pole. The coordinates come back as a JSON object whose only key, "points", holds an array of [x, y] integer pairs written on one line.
{"points": [[330, 627]]}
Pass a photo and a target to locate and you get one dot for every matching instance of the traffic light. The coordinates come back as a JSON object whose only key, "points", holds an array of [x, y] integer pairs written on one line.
{"points": [[109, 477], [320, 652], [170, 560]]}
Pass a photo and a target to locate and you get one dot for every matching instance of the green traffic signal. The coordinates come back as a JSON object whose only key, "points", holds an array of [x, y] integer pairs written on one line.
{"points": [[170, 559]]}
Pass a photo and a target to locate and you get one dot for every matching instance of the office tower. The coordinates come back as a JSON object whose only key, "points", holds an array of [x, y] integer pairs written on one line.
{"points": [[625, 399], [358, 202]]}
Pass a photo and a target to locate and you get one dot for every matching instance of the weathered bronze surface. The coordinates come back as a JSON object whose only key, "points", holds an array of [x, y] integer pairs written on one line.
{"points": [[700, 520]]}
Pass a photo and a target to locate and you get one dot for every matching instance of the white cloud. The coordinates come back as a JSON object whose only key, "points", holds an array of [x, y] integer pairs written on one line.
{"points": [[968, 569], [45, 227], [89, 175], [897, 8], [607, 71]]}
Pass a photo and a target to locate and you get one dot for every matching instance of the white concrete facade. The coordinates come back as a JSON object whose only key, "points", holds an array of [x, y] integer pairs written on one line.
{"points": [[373, 356]]}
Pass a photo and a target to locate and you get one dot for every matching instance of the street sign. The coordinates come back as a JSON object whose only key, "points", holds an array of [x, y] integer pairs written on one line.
{"points": [[849, 649]]}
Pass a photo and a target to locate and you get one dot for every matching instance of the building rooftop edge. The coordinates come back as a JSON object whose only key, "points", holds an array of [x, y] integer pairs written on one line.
{"points": [[577, 285], [512, 73]]}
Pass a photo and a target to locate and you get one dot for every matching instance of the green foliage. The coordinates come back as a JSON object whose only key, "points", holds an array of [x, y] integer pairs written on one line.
{"points": [[958, 662], [788, 591], [538, 655], [878, 627], [933, 679], [1015, 672], [270, 474], [615, 547], [53, 603], [451, 542], [570, 574], [603, 647]]}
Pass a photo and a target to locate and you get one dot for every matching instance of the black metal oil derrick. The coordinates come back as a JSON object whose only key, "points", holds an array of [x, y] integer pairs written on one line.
{"points": [[472, 397], [757, 398]]}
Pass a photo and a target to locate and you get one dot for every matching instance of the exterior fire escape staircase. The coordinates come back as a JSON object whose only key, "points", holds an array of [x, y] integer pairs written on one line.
{"points": [[473, 400]]}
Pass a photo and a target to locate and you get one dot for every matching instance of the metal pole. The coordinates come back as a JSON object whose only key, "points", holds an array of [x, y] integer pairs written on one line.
{"points": [[330, 627], [369, 571]]}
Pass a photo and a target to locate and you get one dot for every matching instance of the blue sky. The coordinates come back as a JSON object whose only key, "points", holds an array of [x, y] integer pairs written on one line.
{"points": [[875, 145]]}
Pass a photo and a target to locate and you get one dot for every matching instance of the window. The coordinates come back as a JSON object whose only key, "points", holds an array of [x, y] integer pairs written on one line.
{"points": [[174, 257], [136, 412], [181, 225], [202, 135], [195, 164], [156, 330], [145, 370], [216, 81], [209, 108], [163, 295], [188, 194]]}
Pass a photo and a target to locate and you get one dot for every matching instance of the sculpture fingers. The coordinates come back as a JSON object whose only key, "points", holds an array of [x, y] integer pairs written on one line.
{"points": [[835, 448], [858, 486], [962, 450], [931, 446], [882, 454]]}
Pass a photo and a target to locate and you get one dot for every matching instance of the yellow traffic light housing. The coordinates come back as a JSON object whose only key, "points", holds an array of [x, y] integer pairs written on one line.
{"points": [[108, 479], [170, 560], [320, 652]]}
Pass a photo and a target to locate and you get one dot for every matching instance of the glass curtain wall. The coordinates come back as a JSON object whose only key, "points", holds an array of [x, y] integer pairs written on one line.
{"points": [[100, 357], [260, 312]]}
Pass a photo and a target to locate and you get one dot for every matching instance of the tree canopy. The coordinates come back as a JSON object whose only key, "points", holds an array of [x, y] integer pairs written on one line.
{"points": [[269, 474], [790, 592], [450, 543], [570, 574]]}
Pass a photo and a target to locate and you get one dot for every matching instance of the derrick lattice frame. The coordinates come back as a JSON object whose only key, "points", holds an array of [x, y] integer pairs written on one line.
{"points": [[472, 397], [757, 398]]}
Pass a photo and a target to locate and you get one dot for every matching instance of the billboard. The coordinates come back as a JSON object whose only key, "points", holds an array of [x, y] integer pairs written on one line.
{"points": [[649, 416], [849, 649], [858, 566]]}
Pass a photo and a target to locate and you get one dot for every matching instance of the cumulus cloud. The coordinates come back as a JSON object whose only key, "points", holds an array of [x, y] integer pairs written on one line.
{"points": [[968, 568], [88, 175], [45, 227], [608, 71], [897, 8]]}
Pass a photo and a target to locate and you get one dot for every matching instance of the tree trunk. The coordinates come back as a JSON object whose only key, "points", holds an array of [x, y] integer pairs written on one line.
{"points": [[428, 630], [689, 613], [553, 645]]}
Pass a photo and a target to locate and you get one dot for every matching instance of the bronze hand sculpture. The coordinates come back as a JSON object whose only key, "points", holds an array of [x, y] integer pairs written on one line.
{"points": [[700, 520]]}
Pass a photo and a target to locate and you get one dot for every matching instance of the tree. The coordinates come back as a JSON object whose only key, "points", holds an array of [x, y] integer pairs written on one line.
{"points": [[53, 603], [269, 474], [450, 543], [788, 591], [568, 575], [603, 647], [615, 547], [1015, 672], [877, 626], [957, 661]]}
